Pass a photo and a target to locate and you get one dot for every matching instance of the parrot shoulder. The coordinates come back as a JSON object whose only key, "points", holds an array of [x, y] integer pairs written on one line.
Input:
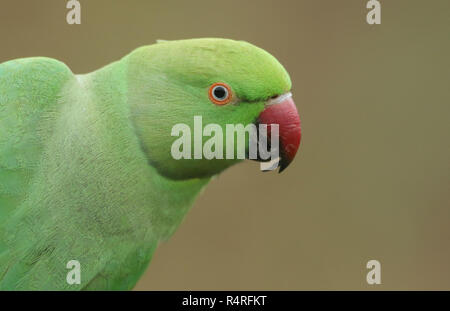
{"points": [[29, 93]]}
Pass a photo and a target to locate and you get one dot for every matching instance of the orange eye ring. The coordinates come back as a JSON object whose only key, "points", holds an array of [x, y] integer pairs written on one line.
{"points": [[220, 93]]}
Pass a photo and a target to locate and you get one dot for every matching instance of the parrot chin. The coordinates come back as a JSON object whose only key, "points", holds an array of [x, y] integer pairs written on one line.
{"points": [[281, 110]]}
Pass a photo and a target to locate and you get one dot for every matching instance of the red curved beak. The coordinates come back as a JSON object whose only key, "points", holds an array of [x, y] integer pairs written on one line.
{"points": [[282, 111]]}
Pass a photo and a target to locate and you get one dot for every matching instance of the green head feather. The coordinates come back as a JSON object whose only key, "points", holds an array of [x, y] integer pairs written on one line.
{"points": [[171, 80]]}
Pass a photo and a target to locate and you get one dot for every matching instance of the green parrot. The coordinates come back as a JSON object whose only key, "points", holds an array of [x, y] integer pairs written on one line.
{"points": [[86, 170]]}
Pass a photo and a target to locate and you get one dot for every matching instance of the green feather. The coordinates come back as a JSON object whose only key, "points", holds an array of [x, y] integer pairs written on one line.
{"points": [[85, 167]]}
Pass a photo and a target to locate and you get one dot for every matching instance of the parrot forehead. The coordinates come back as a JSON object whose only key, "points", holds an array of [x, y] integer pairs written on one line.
{"points": [[253, 73]]}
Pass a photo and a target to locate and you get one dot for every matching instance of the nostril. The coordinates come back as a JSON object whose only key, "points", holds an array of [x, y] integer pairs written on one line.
{"points": [[276, 99]]}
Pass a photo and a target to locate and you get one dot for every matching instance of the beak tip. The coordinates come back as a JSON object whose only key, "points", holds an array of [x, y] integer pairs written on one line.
{"points": [[284, 163]]}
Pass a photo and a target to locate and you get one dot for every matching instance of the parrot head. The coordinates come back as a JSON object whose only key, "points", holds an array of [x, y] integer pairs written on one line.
{"points": [[223, 82]]}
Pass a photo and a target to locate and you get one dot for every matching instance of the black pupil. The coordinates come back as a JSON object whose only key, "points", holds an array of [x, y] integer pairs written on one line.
{"points": [[220, 92]]}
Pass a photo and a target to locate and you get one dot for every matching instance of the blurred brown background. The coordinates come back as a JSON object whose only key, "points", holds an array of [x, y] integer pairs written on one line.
{"points": [[372, 178]]}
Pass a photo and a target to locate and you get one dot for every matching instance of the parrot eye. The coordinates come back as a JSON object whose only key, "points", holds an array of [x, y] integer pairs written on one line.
{"points": [[220, 93]]}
